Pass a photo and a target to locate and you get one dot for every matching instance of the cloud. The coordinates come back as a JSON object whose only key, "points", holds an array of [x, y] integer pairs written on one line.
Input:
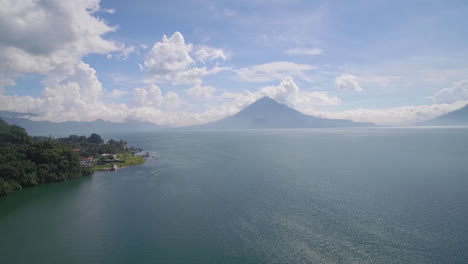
{"points": [[116, 93], [109, 10], [71, 101], [458, 91], [73, 92], [289, 93], [124, 52], [152, 96], [205, 54], [70, 94], [49, 38], [348, 82], [39, 36], [274, 71], [172, 100], [230, 103], [148, 96], [77, 97], [170, 61], [170, 55], [405, 115], [190, 76], [201, 91], [22, 104], [304, 51]]}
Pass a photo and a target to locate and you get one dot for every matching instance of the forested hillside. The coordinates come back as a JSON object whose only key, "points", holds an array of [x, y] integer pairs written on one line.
{"points": [[24, 162]]}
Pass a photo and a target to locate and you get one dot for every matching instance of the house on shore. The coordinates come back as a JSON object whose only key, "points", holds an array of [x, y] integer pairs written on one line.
{"points": [[87, 162]]}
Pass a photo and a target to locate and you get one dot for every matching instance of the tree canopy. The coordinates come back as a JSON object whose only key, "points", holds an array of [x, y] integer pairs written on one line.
{"points": [[95, 139], [25, 163], [13, 134]]}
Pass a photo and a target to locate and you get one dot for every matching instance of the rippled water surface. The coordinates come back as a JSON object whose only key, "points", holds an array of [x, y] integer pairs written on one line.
{"points": [[277, 196]]}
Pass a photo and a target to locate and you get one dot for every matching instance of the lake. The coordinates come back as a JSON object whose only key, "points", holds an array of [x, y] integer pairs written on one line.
{"points": [[360, 195]]}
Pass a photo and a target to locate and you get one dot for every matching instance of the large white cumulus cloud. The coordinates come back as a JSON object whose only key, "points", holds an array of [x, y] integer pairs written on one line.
{"points": [[152, 96], [49, 38], [170, 55], [72, 90], [74, 95], [205, 54], [41, 36], [170, 60]]}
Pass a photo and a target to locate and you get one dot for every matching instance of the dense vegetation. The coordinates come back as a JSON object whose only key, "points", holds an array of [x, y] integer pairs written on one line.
{"points": [[24, 162], [94, 145], [29, 161]]}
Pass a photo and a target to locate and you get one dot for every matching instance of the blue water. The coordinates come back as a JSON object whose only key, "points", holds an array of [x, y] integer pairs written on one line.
{"points": [[363, 195]]}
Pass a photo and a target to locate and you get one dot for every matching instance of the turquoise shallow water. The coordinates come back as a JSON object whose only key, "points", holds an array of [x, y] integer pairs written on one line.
{"points": [[277, 196]]}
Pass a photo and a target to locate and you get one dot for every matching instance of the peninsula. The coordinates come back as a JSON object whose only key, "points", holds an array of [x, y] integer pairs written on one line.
{"points": [[97, 155], [27, 161]]}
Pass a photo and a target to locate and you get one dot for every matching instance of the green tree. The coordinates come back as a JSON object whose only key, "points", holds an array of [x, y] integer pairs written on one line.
{"points": [[13, 134], [7, 187], [95, 139]]}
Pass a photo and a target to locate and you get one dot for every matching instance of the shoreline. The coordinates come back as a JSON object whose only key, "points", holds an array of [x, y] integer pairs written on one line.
{"points": [[119, 168], [141, 159], [124, 160]]}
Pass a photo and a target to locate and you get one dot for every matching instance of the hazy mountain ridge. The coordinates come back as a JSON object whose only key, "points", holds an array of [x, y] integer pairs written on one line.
{"points": [[455, 118], [72, 127], [268, 113]]}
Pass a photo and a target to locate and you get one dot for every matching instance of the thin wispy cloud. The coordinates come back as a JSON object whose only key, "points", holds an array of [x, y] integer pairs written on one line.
{"points": [[304, 51]]}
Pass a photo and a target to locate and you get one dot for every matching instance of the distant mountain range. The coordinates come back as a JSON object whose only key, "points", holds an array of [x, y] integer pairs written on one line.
{"points": [[45, 128], [263, 113], [268, 113], [455, 118]]}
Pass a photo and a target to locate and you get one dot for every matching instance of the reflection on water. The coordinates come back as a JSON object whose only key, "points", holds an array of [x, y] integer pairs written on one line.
{"points": [[277, 196]]}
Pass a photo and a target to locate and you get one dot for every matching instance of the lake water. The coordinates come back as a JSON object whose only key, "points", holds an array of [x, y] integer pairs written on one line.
{"points": [[278, 196]]}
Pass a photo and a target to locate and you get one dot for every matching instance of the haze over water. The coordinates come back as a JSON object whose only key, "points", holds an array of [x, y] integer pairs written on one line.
{"points": [[361, 195]]}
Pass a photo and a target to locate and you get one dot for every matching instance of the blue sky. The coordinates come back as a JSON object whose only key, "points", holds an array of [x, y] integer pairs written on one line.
{"points": [[186, 62]]}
